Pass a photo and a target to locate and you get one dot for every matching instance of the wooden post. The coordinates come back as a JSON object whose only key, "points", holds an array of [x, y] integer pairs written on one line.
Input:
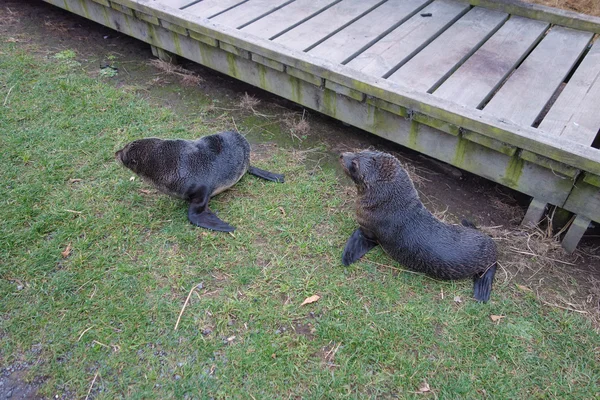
{"points": [[575, 233]]}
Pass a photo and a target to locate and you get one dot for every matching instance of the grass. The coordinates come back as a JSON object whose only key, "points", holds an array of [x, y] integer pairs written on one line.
{"points": [[101, 319]]}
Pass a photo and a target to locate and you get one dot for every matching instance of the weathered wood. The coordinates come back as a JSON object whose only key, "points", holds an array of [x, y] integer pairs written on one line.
{"points": [[528, 90], [575, 233], [535, 212], [576, 113], [571, 153], [584, 200], [475, 81], [324, 24], [408, 39], [249, 11], [211, 8], [175, 3], [287, 18], [367, 30], [436, 62], [556, 16], [163, 55]]}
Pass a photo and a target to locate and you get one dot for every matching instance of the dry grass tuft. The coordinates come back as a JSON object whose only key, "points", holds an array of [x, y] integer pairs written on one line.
{"points": [[187, 77], [297, 124], [248, 103], [534, 260], [590, 7]]}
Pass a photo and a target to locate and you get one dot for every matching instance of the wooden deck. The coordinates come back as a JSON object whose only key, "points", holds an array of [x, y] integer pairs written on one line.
{"points": [[503, 89]]}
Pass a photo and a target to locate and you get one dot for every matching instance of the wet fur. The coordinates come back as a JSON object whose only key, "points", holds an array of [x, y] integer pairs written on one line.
{"points": [[193, 170], [390, 213], [176, 167]]}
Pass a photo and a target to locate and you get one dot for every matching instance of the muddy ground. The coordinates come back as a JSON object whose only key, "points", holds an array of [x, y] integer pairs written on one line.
{"points": [[530, 258]]}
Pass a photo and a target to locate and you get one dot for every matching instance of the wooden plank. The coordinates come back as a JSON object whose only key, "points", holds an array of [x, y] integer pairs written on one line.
{"points": [[408, 39], [555, 148], [576, 113], [287, 17], [555, 16], [434, 63], [475, 81], [575, 233], [175, 3], [211, 8], [324, 24], [248, 12], [367, 30], [528, 90]]}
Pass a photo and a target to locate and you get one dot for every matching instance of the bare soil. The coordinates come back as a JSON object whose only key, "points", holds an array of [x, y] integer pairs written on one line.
{"points": [[531, 259]]}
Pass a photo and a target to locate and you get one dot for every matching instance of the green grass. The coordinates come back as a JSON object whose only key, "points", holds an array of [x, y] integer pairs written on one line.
{"points": [[109, 309]]}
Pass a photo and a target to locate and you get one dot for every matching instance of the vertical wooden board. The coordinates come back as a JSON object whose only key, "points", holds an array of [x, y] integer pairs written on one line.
{"points": [[576, 113], [210, 8], [434, 63], [483, 73], [248, 12], [366, 30], [528, 90], [409, 38], [286, 17], [174, 3], [324, 24]]}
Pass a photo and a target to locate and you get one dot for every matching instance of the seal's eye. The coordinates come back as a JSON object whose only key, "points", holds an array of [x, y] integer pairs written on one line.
{"points": [[354, 166]]}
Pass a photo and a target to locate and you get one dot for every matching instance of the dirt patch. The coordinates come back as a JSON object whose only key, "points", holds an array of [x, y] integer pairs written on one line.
{"points": [[13, 384]]}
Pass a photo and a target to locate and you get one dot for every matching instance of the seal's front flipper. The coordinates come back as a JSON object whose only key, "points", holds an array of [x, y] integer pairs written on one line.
{"points": [[207, 219], [261, 173], [200, 215], [482, 284], [357, 246]]}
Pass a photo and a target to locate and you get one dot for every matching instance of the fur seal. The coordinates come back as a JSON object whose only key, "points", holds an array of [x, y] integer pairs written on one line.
{"points": [[390, 213], [194, 170]]}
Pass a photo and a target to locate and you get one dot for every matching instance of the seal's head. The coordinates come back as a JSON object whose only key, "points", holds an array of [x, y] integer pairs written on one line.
{"points": [[134, 154], [367, 167]]}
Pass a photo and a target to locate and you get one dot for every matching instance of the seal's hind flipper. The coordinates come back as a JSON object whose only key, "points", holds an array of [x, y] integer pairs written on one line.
{"points": [[356, 247], [207, 219], [261, 173], [482, 284]]}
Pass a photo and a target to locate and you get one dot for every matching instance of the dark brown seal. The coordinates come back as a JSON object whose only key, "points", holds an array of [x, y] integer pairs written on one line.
{"points": [[194, 170], [390, 213]]}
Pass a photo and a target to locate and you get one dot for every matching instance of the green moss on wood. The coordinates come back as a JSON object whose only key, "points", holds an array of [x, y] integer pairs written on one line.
{"points": [[513, 171], [232, 66]]}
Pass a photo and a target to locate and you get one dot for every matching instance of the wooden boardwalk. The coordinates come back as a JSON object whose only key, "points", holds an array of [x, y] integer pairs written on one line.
{"points": [[503, 89]]}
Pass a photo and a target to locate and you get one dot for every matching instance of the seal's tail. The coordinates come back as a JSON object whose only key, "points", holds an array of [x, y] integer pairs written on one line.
{"points": [[482, 284], [261, 173]]}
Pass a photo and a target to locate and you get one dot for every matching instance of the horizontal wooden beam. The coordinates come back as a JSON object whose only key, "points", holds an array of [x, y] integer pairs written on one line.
{"points": [[555, 16]]}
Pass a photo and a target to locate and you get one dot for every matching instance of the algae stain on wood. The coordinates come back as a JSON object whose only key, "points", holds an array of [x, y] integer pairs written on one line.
{"points": [[329, 103], [513, 171], [232, 66], [413, 135], [177, 44]]}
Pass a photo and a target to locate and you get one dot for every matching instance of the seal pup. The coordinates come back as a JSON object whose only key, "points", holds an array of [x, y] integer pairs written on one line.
{"points": [[194, 170], [390, 213]]}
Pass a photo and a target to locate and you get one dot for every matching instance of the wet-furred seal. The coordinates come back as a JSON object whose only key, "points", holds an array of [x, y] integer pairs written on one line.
{"points": [[390, 213], [194, 170]]}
